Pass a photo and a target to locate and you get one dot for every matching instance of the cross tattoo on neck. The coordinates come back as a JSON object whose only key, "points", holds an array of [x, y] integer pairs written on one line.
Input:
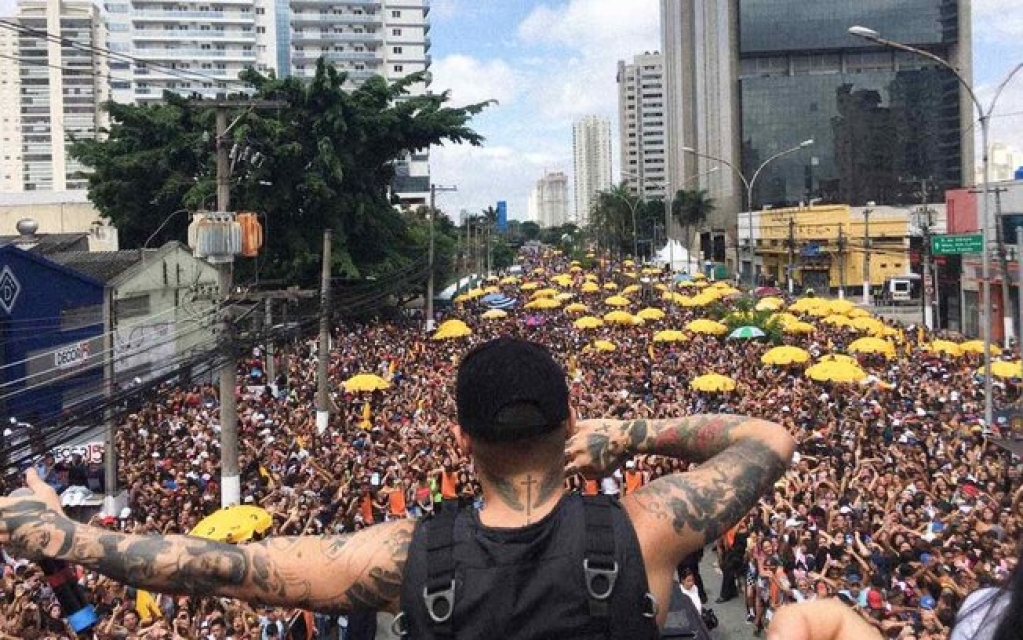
{"points": [[529, 482]]}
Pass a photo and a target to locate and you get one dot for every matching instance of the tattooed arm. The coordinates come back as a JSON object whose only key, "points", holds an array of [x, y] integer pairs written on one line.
{"points": [[359, 571]]}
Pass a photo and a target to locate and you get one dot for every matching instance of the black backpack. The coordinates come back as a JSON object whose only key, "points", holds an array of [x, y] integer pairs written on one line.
{"points": [[550, 579]]}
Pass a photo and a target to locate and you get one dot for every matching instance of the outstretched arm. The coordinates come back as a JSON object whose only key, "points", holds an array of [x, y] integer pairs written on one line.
{"points": [[359, 571]]}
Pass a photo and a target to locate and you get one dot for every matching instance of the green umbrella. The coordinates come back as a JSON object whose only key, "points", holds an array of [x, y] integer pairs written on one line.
{"points": [[746, 333]]}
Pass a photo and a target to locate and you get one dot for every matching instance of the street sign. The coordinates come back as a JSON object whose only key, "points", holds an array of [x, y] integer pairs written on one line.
{"points": [[945, 245]]}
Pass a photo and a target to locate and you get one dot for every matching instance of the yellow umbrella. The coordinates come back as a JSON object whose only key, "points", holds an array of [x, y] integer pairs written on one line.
{"points": [[838, 321], [1005, 369], [544, 293], [704, 325], [576, 307], [783, 318], [476, 293], [459, 299], [530, 286], [669, 335], [799, 327], [491, 278], [660, 286], [946, 347], [770, 304], [873, 345], [492, 289], [785, 355], [840, 358], [835, 372], [509, 280], [728, 291], [539, 271], [574, 263], [712, 383], [495, 314], [889, 332], [620, 317], [610, 286], [804, 305], [628, 263], [671, 296], [564, 295], [841, 306], [590, 287], [604, 345], [651, 313], [617, 301], [233, 524], [686, 283], [699, 276], [858, 312], [868, 324], [543, 303], [590, 276], [977, 346], [695, 301], [452, 329], [632, 288], [820, 311], [576, 268], [562, 280], [365, 382], [588, 322]]}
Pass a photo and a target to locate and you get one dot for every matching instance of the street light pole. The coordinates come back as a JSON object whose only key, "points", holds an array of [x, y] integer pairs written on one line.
{"points": [[429, 255], [984, 117], [749, 184]]}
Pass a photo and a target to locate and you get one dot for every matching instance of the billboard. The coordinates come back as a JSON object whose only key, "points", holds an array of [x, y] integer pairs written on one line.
{"points": [[502, 216]]}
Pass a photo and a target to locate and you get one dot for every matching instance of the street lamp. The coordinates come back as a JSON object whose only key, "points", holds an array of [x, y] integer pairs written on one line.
{"points": [[749, 184], [632, 209], [984, 117]]}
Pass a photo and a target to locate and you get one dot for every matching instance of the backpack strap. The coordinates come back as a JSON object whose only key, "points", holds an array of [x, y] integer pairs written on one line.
{"points": [[600, 569], [439, 591]]}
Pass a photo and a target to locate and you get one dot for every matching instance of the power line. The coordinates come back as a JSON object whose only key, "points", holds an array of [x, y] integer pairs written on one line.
{"points": [[43, 63]]}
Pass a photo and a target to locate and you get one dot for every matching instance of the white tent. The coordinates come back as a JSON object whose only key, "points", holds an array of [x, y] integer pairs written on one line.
{"points": [[679, 256]]}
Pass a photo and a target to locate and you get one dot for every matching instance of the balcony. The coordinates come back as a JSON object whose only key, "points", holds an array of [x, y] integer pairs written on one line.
{"points": [[194, 53], [360, 75], [330, 36], [177, 34], [178, 16], [337, 18], [338, 3]]}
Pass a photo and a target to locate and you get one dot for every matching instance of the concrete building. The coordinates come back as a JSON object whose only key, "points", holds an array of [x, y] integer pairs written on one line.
{"points": [[56, 213], [1005, 161], [641, 125], [591, 148], [50, 89], [549, 205]]}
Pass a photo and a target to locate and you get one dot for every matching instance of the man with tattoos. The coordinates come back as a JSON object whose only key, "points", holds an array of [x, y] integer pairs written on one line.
{"points": [[522, 560]]}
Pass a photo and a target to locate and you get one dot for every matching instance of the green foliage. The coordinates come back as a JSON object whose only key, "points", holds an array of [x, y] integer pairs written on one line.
{"points": [[329, 163], [743, 313], [530, 230]]}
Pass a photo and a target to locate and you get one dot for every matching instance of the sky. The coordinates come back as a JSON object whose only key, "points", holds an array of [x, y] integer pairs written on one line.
{"points": [[549, 63]]}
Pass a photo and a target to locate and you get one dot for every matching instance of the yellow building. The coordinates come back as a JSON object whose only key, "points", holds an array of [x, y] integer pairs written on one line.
{"points": [[826, 245]]}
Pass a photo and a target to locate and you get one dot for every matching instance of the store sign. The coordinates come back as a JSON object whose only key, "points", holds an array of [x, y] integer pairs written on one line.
{"points": [[71, 356]]}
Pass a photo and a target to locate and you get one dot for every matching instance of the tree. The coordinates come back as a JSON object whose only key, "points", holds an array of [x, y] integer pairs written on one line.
{"points": [[329, 158], [691, 209], [611, 218], [530, 230]]}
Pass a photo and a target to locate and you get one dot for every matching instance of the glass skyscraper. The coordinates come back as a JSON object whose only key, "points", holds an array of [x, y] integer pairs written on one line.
{"points": [[881, 120]]}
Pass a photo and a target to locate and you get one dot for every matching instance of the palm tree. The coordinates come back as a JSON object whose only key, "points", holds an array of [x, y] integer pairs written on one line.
{"points": [[691, 209], [612, 216]]}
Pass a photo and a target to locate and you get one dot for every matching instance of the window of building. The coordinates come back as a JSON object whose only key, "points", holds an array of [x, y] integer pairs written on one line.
{"points": [[398, 68], [396, 14], [396, 49], [395, 32]]}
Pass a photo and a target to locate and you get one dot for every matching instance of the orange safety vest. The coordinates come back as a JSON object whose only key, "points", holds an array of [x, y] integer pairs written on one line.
{"points": [[367, 509], [633, 481], [591, 488], [448, 484], [396, 501]]}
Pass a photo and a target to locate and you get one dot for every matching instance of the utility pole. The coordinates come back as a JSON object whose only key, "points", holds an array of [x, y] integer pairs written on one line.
{"points": [[841, 261], [1008, 311], [230, 478], [322, 389], [925, 257], [866, 254], [269, 347], [1019, 281], [429, 259], [110, 446], [792, 254]]}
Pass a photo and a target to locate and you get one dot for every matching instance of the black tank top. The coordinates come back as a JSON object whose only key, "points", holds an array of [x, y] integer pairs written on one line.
{"points": [[528, 582]]}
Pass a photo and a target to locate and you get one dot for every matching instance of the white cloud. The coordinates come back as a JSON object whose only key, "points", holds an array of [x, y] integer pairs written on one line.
{"points": [[1007, 120], [602, 27], [471, 80], [8, 7], [998, 20]]}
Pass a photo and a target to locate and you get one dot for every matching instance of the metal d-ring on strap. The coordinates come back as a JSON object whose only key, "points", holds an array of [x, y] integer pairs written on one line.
{"points": [[439, 591], [600, 569]]}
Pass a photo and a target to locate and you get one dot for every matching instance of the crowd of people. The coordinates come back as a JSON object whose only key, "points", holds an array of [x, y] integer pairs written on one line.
{"points": [[897, 502]]}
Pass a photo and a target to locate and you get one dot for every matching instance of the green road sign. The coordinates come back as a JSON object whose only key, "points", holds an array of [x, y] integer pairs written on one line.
{"points": [[944, 245]]}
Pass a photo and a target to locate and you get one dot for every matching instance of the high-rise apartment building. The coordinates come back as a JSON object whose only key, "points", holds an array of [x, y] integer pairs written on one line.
{"points": [[748, 79], [591, 148], [51, 88], [641, 124], [548, 205]]}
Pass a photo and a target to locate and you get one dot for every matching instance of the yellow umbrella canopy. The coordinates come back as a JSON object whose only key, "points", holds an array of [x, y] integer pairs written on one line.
{"points": [[669, 335], [820, 311], [509, 280], [233, 524], [590, 287], [769, 304], [873, 345], [839, 357], [699, 276], [858, 312], [452, 329], [783, 318], [628, 263], [543, 303], [889, 332], [977, 346], [617, 301], [492, 289], [576, 307], [588, 322], [575, 269], [620, 317], [459, 299], [632, 288], [686, 283], [799, 327], [539, 271], [1005, 369], [491, 278], [724, 292], [544, 293], [804, 305], [590, 276], [671, 296], [841, 306], [785, 355], [495, 314], [710, 327], [837, 321], [712, 383], [562, 280], [867, 324], [651, 313], [610, 286], [836, 372], [530, 286], [476, 292], [564, 295], [365, 382], [946, 347], [695, 301], [604, 345]]}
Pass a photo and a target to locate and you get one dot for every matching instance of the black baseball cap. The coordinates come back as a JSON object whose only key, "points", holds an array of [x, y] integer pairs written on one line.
{"points": [[510, 389]]}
